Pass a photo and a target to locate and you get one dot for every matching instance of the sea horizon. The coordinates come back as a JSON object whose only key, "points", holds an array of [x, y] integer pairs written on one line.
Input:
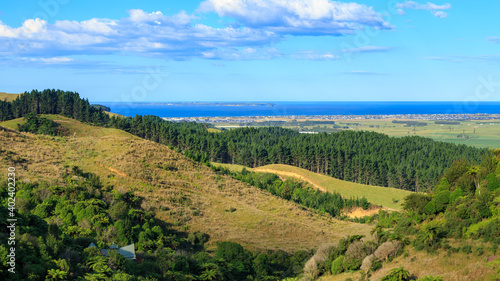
{"points": [[299, 108]]}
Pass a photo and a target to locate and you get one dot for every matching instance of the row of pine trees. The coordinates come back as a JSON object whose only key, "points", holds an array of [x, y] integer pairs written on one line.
{"points": [[52, 102]]}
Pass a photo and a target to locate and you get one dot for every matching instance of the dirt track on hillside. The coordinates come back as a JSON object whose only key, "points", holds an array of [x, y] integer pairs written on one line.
{"points": [[289, 174]]}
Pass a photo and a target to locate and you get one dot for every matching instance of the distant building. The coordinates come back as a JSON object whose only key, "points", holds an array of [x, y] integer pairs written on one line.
{"points": [[126, 251]]}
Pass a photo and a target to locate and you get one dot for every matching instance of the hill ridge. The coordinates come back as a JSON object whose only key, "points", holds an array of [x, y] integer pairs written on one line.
{"points": [[181, 191]]}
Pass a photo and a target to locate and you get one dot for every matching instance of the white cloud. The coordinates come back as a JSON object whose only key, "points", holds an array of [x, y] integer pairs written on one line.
{"points": [[53, 60], [150, 34], [429, 6], [436, 10], [137, 15], [315, 56], [439, 14], [179, 37], [298, 17], [242, 54], [29, 27]]}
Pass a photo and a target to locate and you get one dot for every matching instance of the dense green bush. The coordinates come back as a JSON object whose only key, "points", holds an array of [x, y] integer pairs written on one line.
{"points": [[397, 274], [39, 125], [57, 224]]}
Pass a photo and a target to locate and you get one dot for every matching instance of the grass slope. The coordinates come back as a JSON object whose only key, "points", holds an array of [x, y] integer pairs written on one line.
{"points": [[456, 267], [383, 196], [182, 192], [8, 97]]}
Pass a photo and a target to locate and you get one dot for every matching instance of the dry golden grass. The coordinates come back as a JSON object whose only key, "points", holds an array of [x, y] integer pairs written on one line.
{"points": [[111, 114], [456, 267], [8, 97], [185, 193], [387, 197]]}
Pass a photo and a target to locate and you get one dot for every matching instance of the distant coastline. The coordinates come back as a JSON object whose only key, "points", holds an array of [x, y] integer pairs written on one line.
{"points": [[210, 103], [257, 119], [291, 109]]}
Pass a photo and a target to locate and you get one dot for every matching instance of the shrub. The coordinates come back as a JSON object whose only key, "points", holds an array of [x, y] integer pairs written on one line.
{"points": [[356, 251], [416, 202], [467, 249], [441, 200], [367, 262], [456, 194], [493, 183], [235, 255], [313, 265], [388, 249], [430, 208], [397, 274], [479, 251], [376, 265], [38, 125], [337, 265]]}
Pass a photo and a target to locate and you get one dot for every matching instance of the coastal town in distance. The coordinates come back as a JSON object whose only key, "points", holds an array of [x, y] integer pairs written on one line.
{"points": [[480, 130]]}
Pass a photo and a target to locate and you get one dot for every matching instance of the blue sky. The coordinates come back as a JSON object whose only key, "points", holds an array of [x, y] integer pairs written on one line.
{"points": [[253, 50]]}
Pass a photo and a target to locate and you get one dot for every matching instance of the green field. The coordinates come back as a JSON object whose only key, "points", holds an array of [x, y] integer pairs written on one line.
{"points": [[383, 196], [478, 133]]}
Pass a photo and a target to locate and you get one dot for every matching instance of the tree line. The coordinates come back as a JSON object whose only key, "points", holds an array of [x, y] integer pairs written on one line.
{"points": [[52, 101], [410, 163]]}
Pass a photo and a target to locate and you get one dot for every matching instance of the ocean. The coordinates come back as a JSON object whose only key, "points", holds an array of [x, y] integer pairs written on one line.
{"points": [[240, 109]]}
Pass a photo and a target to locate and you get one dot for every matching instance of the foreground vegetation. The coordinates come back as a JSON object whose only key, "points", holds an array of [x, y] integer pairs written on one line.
{"points": [[460, 219], [57, 223]]}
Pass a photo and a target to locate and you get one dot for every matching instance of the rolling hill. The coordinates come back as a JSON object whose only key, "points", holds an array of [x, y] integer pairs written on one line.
{"points": [[180, 191], [384, 196], [8, 97]]}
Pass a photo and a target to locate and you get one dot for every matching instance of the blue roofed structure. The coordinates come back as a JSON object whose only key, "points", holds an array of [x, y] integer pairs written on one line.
{"points": [[126, 251]]}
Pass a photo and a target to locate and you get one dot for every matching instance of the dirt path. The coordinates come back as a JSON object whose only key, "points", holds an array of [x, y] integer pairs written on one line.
{"points": [[359, 212], [289, 174], [115, 171]]}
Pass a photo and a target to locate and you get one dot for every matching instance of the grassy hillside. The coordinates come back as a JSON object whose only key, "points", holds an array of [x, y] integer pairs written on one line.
{"points": [[8, 97], [383, 196], [456, 267], [182, 192]]}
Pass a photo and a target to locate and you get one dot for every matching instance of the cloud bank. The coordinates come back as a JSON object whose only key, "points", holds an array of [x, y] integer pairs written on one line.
{"points": [[258, 26], [149, 34], [298, 17], [436, 10]]}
